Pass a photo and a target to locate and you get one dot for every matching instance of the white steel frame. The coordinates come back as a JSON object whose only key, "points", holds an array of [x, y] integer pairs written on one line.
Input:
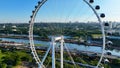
{"points": [[54, 39]]}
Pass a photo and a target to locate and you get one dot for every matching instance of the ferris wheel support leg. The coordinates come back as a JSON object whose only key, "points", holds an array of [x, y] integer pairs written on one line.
{"points": [[62, 42], [53, 52], [39, 66], [45, 55]]}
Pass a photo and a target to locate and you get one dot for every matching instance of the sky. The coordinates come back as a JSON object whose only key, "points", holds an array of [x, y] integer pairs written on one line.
{"points": [[19, 11]]}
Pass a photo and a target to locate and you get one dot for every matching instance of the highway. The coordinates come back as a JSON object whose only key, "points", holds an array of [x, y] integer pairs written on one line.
{"points": [[80, 64]]}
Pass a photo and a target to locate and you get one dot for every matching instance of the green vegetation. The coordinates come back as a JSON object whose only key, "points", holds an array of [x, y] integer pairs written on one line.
{"points": [[9, 59], [77, 31], [15, 58], [96, 35], [81, 58], [12, 58], [38, 45], [46, 29]]}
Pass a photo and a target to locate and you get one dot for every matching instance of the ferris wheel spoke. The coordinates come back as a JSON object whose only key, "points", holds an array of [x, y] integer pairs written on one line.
{"points": [[46, 55], [70, 55], [58, 29]]}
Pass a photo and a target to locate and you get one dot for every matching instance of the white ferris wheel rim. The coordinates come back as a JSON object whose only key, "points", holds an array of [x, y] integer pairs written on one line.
{"points": [[31, 24]]}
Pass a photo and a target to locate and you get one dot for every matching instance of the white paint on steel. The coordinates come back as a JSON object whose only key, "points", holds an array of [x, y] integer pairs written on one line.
{"points": [[70, 56], [38, 61], [61, 47], [58, 38], [53, 52], [45, 55], [31, 22], [103, 32]]}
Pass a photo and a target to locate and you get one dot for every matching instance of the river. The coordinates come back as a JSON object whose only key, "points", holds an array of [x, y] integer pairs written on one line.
{"points": [[113, 37], [69, 45]]}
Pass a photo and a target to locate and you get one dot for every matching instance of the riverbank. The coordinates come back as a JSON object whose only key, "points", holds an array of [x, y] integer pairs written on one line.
{"points": [[73, 51], [72, 41], [69, 45], [67, 40]]}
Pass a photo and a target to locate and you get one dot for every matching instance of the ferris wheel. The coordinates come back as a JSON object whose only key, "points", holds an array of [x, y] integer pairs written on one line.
{"points": [[55, 40]]}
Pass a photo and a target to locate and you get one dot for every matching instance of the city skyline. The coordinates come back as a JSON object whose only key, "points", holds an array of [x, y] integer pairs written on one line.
{"points": [[16, 11]]}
